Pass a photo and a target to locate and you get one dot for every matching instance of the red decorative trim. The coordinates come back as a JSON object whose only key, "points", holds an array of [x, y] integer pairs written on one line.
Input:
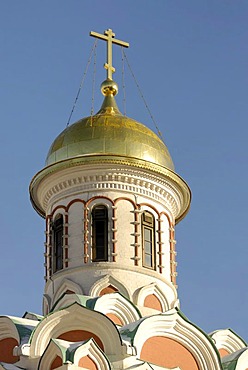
{"points": [[150, 206], [66, 242], [56, 208], [46, 247], [172, 249], [86, 226], [114, 233], [48, 256], [168, 218], [98, 197], [160, 248], [129, 200], [172, 256], [136, 239], [74, 201]]}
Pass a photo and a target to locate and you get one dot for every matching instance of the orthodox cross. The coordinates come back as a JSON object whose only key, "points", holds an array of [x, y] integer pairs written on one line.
{"points": [[109, 37]]}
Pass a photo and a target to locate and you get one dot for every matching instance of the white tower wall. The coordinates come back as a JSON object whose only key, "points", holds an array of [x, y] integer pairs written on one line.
{"points": [[127, 193]]}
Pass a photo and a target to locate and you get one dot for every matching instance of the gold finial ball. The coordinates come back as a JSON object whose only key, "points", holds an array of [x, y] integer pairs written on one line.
{"points": [[109, 87]]}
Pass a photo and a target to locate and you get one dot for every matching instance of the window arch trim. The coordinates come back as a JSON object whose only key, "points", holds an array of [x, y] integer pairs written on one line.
{"points": [[58, 243], [100, 227], [148, 240]]}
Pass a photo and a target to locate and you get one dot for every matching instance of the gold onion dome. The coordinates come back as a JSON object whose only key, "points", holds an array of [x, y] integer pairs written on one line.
{"points": [[107, 138], [109, 133]]}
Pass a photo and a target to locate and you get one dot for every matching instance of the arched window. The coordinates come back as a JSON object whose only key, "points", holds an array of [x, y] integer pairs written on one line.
{"points": [[58, 243], [99, 233], [148, 239]]}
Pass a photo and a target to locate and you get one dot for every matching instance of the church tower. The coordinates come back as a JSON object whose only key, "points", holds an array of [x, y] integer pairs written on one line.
{"points": [[111, 200]]}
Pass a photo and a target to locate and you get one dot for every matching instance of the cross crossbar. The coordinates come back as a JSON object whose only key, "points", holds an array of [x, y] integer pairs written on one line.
{"points": [[109, 37]]}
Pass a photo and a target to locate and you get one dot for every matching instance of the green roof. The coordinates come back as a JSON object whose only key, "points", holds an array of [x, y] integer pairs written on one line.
{"points": [[83, 300], [32, 316], [230, 362], [68, 349], [89, 302], [24, 327]]}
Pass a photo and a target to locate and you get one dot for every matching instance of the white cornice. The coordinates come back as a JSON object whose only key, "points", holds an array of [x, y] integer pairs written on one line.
{"points": [[171, 191]]}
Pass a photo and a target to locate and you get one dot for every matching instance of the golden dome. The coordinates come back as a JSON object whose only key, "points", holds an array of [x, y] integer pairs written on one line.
{"points": [[104, 139], [109, 133]]}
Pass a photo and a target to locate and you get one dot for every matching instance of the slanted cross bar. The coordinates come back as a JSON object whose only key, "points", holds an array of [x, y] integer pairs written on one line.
{"points": [[109, 37]]}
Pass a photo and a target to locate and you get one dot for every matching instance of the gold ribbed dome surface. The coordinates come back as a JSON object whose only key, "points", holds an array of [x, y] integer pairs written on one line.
{"points": [[109, 133]]}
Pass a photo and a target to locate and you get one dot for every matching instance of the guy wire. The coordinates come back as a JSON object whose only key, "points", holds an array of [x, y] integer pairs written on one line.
{"points": [[123, 82], [143, 98], [93, 85], [82, 82]]}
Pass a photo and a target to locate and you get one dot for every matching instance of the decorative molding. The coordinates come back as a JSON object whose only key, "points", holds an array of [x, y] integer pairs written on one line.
{"points": [[161, 295], [66, 284], [172, 324], [65, 240], [228, 340], [104, 282], [76, 317], [86, 241], [121, 307], [126, 180]]}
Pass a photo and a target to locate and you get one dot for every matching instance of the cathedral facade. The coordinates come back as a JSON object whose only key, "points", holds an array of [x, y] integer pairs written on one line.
{"points": [[111, 200]]}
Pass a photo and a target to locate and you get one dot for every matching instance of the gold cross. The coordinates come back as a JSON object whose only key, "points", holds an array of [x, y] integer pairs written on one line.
{"points": [[110, 39]]}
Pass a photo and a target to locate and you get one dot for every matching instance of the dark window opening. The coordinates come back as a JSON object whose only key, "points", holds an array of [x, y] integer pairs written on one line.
{"points": [[58, 244], [100, 234], [148, 240]]}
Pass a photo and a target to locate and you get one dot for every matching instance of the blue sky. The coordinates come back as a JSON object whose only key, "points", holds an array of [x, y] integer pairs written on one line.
{"points": [[190, 59]]}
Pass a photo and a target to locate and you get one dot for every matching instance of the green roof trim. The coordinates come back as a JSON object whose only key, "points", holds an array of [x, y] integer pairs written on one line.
{"points": [[35, 315], [68, 349], [229, 365], [24, 332], [62, 348], [90, 302], [203, 332], [84, 300], [238, 336], [72, 350], [70, 305], [130, 330], [229, 362], [134, 306], [242, 340], [24, 327]]}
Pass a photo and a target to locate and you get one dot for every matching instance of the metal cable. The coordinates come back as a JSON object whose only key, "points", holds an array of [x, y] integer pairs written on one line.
{"points": [[93, 85], [123, 82], [143, 98], [82, 82]]}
